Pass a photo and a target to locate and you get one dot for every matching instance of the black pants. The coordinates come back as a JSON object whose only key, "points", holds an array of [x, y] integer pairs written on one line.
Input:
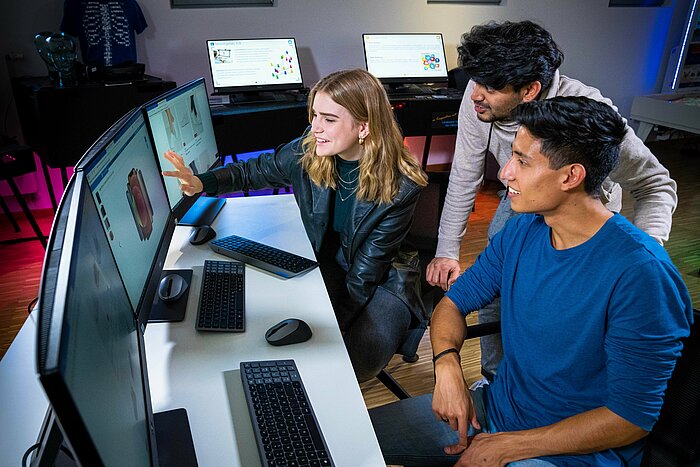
{"points": [[373, 336]]}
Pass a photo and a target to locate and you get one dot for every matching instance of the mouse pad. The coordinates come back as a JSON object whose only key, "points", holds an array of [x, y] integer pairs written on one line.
{"points": [[168, 312]]}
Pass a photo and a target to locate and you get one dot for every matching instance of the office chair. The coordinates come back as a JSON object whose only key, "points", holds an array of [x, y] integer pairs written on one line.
{"points": [[675, 439], [423, 238]]}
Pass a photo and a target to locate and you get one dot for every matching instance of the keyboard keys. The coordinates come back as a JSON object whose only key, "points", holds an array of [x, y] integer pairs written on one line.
{"points": [[222, 298], [283, 420], [263, 256]]}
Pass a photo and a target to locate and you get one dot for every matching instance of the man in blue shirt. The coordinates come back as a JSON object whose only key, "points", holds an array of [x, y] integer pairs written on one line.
{"points": [[593, 313]]}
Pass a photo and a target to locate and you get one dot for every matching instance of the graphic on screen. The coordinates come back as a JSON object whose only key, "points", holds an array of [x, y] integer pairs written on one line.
{"points": [[395, 56], [172, 130], [141, 208], [195, 118], [254, 62], [182, 123]]}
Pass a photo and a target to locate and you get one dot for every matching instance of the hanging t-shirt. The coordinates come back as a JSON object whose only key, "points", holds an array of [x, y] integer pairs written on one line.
{"points": [[106, 29]]}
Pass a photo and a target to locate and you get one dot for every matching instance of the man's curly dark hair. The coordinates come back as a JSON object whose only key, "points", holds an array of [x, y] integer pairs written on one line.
{"points": [[576, 129], [499, 54]]}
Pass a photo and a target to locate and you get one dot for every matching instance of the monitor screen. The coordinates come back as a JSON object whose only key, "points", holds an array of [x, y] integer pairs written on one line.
{"points": [[89, 348], [125, 182], [405, 58], [239, 65], [180, 120]]}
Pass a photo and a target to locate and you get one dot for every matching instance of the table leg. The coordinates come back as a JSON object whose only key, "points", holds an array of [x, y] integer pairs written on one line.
{"points": [[644, 130], [6, 209], [27, 211], [49, 185], [426, 152], [64, 178]]}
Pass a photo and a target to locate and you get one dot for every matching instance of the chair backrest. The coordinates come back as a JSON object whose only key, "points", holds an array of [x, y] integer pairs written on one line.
{"points": [[675, 439], [426, 218]]}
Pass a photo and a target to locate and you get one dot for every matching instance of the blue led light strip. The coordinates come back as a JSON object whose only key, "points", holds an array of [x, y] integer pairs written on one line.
{"points": [[689, 26]]}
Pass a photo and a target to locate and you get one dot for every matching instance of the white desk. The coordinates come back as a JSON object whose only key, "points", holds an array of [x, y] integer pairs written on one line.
{"points": [[200, 371], [680, 111]]}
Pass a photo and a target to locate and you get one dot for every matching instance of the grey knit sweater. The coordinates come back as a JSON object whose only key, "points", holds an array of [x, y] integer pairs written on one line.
{"points": [[638, 172]]}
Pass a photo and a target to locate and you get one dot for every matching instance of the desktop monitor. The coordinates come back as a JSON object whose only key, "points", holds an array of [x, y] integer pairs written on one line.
{"points": [[124, 180], [89, 349], [91, 355], [180, 120], [245, 65], [397, 59]]}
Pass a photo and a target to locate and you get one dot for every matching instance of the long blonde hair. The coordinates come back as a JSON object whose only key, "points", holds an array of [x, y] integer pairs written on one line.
{"points": [[384, 155]]}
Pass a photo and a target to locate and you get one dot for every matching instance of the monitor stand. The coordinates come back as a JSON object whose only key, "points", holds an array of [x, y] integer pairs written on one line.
{"points": [[171, 311], [173, 441], [203, 211]]}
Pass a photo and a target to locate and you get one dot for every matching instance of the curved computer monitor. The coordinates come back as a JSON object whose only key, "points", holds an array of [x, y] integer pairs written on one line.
{"points": [[125, 182], [90, 355], [245, 65], [180, 120], [397, 59]]}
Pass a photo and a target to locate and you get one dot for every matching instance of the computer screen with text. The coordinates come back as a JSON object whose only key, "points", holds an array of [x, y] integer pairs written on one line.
{"points": [[239, 65], [406, 58]]}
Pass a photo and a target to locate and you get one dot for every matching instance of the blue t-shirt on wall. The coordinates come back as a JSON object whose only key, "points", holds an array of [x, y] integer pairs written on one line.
{"points": [[106, 29]]}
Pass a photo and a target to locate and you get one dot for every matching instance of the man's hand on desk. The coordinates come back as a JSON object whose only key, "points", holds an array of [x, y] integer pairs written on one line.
{"points": [[442, 272], [189, 184]]}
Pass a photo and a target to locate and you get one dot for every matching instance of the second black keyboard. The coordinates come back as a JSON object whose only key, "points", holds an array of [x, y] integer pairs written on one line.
{"points": [[268, 258], [285, 426], [222, 298]]}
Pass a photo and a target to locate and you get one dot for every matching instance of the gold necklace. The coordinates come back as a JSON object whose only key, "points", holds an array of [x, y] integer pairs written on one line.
{"points": [[340, 194], [347, 185]]}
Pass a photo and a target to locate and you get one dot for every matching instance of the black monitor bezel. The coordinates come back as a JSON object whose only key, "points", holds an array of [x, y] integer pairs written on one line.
{"points": [[53, 293], [260, 87], [186, 202], [407, 79], [148, 294]]}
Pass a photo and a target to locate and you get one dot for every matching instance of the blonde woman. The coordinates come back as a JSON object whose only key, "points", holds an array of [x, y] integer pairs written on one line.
{"points": [[356, 186]]}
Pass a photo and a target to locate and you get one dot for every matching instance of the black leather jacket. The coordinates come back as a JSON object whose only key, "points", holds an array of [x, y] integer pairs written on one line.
{"points": [[370, 244]]}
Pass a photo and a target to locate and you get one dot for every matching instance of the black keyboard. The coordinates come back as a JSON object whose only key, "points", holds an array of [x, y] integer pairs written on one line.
{"points": [[280, 262], [222, 298], [410, 90], [285, 426]]}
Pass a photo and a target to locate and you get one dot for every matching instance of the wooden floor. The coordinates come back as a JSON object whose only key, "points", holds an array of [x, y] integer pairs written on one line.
{"points": [[20, 267]]}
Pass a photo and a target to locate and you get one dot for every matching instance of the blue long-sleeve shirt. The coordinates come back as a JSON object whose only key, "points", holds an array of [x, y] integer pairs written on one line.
{"points": [[595, 325]]}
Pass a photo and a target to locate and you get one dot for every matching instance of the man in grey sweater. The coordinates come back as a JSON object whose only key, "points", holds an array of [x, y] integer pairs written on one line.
{"points": [[510, 63]]}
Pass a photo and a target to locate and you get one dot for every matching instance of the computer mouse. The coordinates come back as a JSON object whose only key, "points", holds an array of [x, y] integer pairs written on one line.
{"points": [[289, 331], [202, 234], [171, 287]]}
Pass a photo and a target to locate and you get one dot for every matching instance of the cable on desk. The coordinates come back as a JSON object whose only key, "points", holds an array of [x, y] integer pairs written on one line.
{"points": [[31, 305], [28, 452]]}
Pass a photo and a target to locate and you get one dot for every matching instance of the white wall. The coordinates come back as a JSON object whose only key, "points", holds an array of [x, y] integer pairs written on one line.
{"points": [[619, 50]]}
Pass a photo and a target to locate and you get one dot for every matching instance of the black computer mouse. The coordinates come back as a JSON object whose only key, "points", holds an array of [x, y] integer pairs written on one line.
{"points": [[289, 331], [172, 287], [202, 234]]}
